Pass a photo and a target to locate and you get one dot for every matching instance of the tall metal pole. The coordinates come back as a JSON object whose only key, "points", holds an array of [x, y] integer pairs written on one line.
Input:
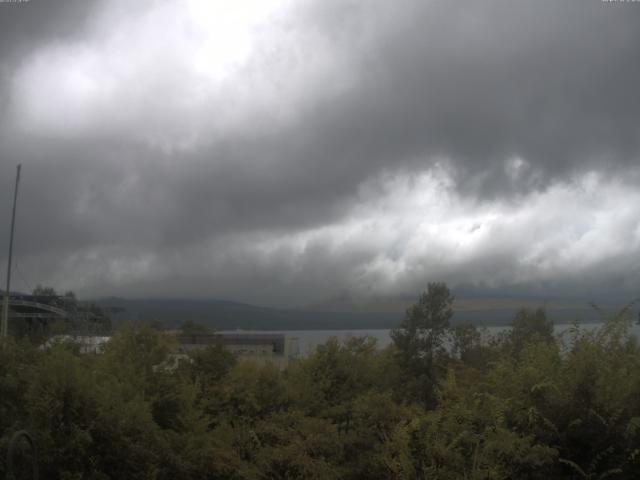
{"points": [[5, 307]]}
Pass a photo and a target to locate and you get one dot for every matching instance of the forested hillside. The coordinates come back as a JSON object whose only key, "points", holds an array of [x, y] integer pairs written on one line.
{"points": [[524, 405], [228, 315]]}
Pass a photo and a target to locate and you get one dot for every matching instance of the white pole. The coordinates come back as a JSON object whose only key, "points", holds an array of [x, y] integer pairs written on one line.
{"points": [[5, 307]]}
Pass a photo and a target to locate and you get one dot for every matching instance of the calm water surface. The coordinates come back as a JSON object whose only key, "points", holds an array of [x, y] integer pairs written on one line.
{"points": [[308, 340]]}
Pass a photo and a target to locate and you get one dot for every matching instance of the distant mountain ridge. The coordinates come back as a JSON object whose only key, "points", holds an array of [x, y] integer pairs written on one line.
{"points": [[228, 315], [351, 315]]}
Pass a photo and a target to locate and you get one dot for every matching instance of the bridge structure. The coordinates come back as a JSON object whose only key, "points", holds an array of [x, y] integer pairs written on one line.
{"points": [[40, 311], [27, 308]]}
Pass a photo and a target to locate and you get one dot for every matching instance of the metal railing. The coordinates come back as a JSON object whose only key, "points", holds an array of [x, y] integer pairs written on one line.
{"points": [[42, 306]]}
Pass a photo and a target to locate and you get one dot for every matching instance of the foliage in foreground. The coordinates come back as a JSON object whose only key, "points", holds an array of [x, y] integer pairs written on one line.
{"points": [[439, 403]]}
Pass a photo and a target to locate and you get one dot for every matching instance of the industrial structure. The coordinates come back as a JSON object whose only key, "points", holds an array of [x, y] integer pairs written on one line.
{"points": [[37, 314]]}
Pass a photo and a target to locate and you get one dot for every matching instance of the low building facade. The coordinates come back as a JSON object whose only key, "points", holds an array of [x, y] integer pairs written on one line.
{"points": [[276, 348]]}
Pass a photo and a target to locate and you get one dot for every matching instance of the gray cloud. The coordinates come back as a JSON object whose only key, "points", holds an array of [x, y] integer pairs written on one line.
{"points": [[153, 150], [26, 25]]}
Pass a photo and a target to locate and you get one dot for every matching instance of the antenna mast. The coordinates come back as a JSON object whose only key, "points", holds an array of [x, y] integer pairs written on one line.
{"points": [[5, 307]]}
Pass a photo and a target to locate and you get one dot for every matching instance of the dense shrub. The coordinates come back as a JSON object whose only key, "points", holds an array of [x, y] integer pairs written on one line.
{"points": [[525, 405]]}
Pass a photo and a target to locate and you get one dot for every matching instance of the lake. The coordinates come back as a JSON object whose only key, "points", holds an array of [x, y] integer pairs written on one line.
{"points": [[308, 340]]}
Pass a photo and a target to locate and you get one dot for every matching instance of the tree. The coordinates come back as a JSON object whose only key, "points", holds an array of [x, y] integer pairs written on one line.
{"points": [[421, 333], [530, 326], [41, 291], [420, 337], [189, 327], [465, 342], [70, 295]]}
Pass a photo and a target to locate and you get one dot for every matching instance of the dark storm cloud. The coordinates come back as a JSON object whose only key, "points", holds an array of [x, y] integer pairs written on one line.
{"points": [[126, 168], [554, 83], [24, 25]]}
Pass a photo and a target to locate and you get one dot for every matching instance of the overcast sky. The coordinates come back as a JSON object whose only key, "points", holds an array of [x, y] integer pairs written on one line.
{"points": [[285, 153]]}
